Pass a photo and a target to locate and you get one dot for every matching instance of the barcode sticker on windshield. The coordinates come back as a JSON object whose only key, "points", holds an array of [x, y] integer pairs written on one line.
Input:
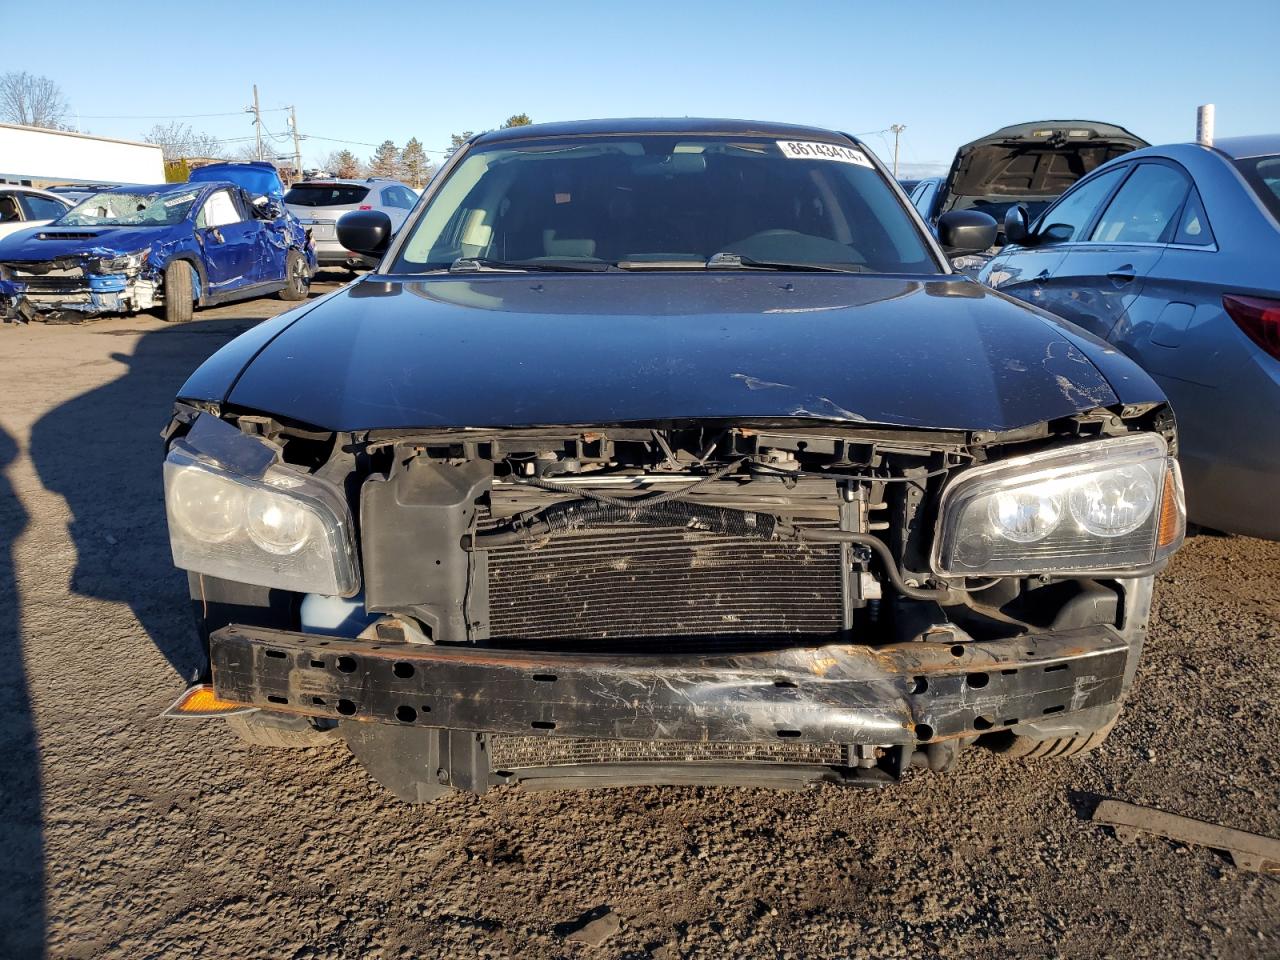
{"points": [[811, 150]]}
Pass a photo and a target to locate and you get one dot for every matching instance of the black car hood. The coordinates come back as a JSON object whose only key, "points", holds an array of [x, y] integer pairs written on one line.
{"points": [[528, 350], [1031, 161]]}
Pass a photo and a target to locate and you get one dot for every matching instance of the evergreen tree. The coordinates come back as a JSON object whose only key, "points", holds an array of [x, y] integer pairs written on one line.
{"points": [[415, 168], [385, 162]]}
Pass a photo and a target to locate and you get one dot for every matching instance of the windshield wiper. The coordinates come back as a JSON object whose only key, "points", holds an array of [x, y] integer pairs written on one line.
{"points": [[727, 260], [487, 265]]}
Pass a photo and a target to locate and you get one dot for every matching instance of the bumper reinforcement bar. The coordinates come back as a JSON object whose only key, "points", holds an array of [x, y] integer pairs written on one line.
{"points": [[903, 693]]}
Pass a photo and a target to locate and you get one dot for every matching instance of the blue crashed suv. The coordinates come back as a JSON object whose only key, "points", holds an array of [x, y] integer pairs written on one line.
{"points": [[223, 236]]}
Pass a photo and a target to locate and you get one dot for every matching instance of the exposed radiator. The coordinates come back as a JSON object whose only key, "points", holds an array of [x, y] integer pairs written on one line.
{"points": [[508, 752], [626, 581]]}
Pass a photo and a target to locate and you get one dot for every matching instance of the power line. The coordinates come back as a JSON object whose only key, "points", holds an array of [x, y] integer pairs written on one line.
{"points": [[358, 143]]}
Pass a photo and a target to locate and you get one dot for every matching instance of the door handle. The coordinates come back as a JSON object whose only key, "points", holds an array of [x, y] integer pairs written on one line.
{"points": [[1122, 275]]}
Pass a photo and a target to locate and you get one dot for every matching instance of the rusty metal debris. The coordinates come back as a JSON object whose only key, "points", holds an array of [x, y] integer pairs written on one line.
{"points": [[1249, 851]]}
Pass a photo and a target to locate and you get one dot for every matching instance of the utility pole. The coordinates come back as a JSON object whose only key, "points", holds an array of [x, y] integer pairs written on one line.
{"points": [[896, 129], [257, 123], [297, 147]]}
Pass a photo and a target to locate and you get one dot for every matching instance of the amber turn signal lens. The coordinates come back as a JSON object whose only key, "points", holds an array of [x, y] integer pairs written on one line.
{"points": [[1171, 523], [200, 701]]}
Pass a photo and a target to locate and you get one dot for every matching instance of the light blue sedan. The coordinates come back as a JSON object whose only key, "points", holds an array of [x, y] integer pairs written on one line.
{"points": [[1172, 254]]}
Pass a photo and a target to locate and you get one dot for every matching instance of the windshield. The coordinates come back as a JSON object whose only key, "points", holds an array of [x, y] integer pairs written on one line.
{"points": [[1263, 174], [325, 195], [667, 202], [129, 209]]}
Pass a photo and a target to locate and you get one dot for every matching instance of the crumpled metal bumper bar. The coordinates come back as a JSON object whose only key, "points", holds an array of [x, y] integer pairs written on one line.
{"points": [[903, 693]]}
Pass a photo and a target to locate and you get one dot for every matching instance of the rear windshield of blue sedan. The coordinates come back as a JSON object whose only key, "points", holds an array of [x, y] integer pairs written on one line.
{"points": [[668, 200], [118, 208], [1263, 174]]}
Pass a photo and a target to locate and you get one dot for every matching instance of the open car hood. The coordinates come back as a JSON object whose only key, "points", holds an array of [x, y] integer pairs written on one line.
{"points": [[541, 350], [256, 178], [1031, 161]]}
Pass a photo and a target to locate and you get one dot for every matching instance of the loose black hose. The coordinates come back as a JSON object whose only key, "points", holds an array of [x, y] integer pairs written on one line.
{"points": [[878, 547]]}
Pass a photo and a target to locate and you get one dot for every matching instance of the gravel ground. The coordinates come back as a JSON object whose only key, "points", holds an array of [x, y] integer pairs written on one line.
{"points": [[122, 835]]}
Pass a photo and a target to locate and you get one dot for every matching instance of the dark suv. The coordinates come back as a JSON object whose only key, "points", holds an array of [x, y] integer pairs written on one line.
{"points": [[668, 451]]}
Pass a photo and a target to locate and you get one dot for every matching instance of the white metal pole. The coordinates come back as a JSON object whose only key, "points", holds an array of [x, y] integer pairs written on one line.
{"points": [[1204, 124]]}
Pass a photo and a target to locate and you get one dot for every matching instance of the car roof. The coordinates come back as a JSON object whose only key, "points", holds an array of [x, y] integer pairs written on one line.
{"points": [[642, 125], [352, 181], [1259, 145], [23, 188]]}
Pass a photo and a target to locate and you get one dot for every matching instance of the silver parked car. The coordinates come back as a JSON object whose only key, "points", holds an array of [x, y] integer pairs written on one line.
{"points": [[1172, 254], [22, 207], [319, 204]]}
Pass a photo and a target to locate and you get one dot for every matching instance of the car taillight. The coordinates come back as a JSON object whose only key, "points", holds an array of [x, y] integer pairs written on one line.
{"points": [[1258, 318], [364, 206]]}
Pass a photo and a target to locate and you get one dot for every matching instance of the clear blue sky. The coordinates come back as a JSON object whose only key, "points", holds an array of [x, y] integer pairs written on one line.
{"points": [[949, 71]]}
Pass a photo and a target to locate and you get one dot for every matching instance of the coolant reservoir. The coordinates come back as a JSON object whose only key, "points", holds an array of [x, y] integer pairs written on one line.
{"points": [[335, 616]]}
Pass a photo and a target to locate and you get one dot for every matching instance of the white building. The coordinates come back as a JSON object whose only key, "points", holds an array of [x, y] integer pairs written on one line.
{"points": [[37, 156]]}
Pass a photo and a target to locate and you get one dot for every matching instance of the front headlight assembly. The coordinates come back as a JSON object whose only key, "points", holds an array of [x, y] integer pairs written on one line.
{"points": [[1102, 506], [279, 528], [129, 263]]}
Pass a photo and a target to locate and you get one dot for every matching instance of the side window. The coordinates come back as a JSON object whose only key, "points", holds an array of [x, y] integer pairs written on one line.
{"points": [[408, 196], [40, 208], [1193, 225], [396, 197], [925, 202], [218, 211], [1065, 220], [9, 212], [1145, 208]]}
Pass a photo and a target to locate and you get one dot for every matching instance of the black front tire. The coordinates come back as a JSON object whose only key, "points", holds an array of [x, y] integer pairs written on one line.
{"points": [[297, 277], [179, 292]]}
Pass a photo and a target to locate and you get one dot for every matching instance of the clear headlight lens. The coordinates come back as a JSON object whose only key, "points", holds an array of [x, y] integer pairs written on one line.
{"points": [[129, 263], [283, 529], [1104, 505], [206, 507], [276, 525], [1114, 503], [1025, 516]]}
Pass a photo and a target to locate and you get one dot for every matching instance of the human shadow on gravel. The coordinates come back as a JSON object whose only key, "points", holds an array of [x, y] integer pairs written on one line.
{"points": [[102, 452], [22, 906]]}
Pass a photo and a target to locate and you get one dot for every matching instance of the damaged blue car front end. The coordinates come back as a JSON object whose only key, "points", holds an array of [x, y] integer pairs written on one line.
{"points": [[113, 253]]}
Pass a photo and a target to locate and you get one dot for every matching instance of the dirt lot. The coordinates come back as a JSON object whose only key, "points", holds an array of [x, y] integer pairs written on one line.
{"points": [[122, 835]]}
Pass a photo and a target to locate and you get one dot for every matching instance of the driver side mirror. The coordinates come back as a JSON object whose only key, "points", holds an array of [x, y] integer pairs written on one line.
{"points": [[966, 231], [1016, 224], [365, 231], [264, 208]]}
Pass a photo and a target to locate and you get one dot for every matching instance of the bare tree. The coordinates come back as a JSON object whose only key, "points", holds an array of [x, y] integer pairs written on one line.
{"points": [[32, 101], [178, 140]]}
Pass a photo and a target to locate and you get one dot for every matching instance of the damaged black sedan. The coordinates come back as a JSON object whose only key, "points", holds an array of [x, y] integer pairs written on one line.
{"points": [[668, 452]]}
